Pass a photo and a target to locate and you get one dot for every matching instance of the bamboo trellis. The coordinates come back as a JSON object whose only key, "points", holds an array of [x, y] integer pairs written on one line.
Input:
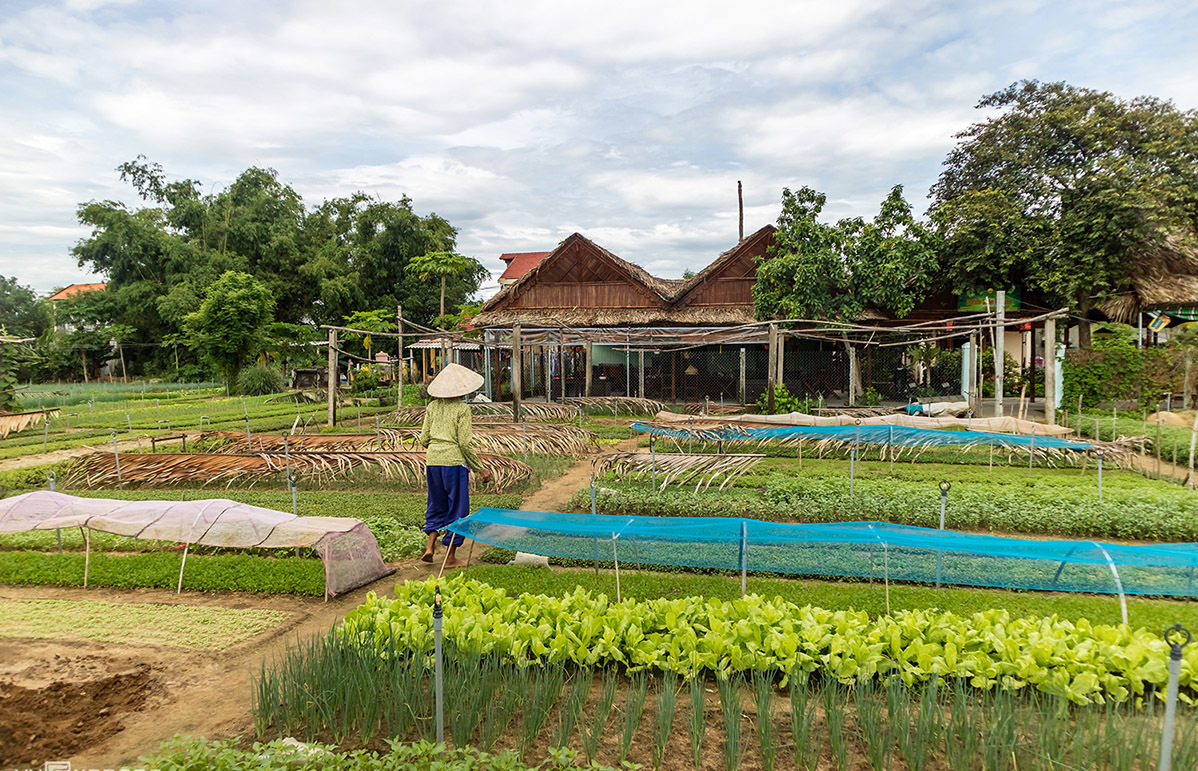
{"points": [[100, 470], [12, 422], [534, 438], [528, 410], [668, 468]]}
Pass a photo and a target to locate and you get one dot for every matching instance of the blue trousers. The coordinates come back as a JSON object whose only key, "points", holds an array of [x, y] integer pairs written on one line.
{"points": [[448, 500]]}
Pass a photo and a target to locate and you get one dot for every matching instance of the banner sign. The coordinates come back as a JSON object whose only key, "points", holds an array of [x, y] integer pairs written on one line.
{"points": [[976, 302]]}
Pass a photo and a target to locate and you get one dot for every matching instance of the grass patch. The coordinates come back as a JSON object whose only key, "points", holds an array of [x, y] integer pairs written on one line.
{"points": [[138, 623], [1153, 615], [204, 573]]}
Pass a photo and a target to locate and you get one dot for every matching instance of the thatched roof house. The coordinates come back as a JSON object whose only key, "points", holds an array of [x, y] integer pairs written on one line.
{"points": [[1168, 282], [582, 285]]}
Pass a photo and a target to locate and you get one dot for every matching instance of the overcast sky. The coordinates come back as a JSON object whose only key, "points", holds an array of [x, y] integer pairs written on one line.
{"points": [[522, 122]]}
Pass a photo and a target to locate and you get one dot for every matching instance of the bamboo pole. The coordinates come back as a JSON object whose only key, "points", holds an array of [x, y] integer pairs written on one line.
{"points": [[87, 554], [332, 379], [590, 353], [517, 372], [1050, 369], [771, 369]]}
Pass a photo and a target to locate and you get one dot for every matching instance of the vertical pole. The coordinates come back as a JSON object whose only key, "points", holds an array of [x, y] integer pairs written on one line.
{"points": [[1175, 650], [332, 420], [561, 362], [46, 431], [771, 369], [87, 553], [641, 372], [743, 393], [944, 488], [116, 456], [780, 378], [740, 207], [628, 363], [286, 456], [439, 685], [1100, 476], [52, 477], [616, 560], [744, 558], [1193, 437], [653, 460], [1000, 317], [183, 564], [1050, 370], [517, 372], [853, 457], [488, 380], [590, 352], [852, 352], [399, 349], [1156, 447], [293, 483]]}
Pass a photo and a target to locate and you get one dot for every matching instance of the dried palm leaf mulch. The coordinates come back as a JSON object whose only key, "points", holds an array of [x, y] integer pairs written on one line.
{"points": [[533, 438], [669, 468], [629, 405], [12, 422], [528, 410], [99, 470], [712, 408]]}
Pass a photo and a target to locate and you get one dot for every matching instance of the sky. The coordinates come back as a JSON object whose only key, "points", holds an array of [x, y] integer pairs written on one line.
{"points": [[523, 122]]}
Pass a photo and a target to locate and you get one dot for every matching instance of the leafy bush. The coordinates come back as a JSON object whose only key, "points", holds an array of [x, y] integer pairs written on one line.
{"points": [[365, 382], [411, 395], [259, 380], [783, 402], [871, 397], [231, 755]]}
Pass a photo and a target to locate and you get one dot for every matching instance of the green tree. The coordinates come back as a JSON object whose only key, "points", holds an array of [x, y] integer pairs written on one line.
{"points": [[22, 314], [817, 270], [230, 325], [370, 321], [444, 265], [1063, 188]]}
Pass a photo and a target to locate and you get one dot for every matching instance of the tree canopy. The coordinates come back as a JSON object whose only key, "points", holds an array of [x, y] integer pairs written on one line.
{"points": [[834, 271], [22, 314], [1063, 188], [231, 323], [318, 265]]}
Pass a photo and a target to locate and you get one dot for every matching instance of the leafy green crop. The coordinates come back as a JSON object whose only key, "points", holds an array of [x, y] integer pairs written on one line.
{"points": [[1079, 661]]}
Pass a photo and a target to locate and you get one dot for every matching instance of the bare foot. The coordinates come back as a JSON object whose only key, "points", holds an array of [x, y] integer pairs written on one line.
{"points": [[451, 564], [426, 557]]}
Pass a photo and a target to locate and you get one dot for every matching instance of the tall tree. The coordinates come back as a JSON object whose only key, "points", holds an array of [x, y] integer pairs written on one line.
{"points": [[230, 325], [1063, 188], [445, 265]]}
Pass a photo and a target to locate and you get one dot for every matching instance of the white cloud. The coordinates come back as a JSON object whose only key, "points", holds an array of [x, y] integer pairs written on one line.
{"points": [[523, 122]]}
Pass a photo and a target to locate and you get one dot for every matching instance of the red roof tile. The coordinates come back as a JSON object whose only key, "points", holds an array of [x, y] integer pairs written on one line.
{"points": [[519, 263], [76, 289]]}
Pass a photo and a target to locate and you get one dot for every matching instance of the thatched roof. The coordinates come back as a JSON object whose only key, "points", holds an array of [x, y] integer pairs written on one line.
{"points": [[1168, 277], [721, 262], [618, 317]]}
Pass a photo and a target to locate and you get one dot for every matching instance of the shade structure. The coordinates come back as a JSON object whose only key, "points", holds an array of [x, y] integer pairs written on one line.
{"points": [[346, 546], [870, 550]]}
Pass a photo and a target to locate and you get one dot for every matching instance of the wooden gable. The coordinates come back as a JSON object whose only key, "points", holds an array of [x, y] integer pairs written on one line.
{"points": [[730, 279], [579, 274]]}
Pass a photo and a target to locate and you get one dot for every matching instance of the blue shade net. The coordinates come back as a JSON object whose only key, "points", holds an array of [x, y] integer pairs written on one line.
{"points": [[871, 550], [884, 434]]}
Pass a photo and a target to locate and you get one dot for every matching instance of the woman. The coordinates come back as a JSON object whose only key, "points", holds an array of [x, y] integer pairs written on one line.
{"points": [[450, 459]]}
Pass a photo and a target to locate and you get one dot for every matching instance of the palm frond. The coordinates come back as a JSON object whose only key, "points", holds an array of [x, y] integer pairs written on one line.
{"points": [[677, 468], [99, 470], [629, 405], [407, 416], [12, 422]]}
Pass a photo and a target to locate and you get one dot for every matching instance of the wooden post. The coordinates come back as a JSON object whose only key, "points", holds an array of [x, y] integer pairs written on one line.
{"points": [[743, 392], [333, 381], [740, 205], [1000, 315], [852, 375], [641, 371], [561, 362], [1050, 369], [590, 353], [1185, 388], [517, 373], [781, 378], [771, 369], [975, 388], [124, 376], [399, 346]]}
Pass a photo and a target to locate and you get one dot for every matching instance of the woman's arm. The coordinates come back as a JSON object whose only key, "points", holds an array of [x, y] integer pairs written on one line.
{"points": [[465, 437], [425, 436]]}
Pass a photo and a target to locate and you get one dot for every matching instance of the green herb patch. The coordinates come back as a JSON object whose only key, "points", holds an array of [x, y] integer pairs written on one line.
{"points": [[1080, 661], [215, 573], [139, 623]]}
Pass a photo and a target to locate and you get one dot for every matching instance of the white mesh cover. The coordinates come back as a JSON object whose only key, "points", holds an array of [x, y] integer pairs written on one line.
{"points": [[346, 546]]}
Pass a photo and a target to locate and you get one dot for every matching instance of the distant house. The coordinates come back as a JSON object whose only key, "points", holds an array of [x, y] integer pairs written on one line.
{"points": [[517, 264], [66, 293]]}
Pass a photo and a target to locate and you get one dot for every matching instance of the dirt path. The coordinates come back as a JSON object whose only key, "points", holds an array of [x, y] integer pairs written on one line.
{"points": [[553, 495]]}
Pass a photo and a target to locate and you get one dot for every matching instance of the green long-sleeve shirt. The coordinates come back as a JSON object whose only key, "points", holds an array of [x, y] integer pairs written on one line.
{"points": [[447, 435]]}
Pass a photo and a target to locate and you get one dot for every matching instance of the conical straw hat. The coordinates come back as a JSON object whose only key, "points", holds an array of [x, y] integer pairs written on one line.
{"points": [[455, 380]]}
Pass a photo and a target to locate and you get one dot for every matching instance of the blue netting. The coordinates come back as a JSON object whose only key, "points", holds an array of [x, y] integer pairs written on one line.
{"points": [[849, 549], [884, 434]]}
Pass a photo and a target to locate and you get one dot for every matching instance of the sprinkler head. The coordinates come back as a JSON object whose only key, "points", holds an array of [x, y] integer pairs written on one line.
{"points": [[944, 486]]}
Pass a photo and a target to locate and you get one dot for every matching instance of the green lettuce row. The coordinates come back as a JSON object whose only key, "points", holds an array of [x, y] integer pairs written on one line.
{"points": [[1080, 661]]}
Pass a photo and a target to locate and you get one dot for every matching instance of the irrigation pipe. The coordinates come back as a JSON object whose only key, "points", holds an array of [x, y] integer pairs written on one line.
{"points": [[439, 685], [744, 558], [1175, 650]]}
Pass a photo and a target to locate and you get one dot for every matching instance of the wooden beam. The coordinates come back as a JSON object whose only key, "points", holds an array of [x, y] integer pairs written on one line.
{"points": [[590, 364], [517, 374]]}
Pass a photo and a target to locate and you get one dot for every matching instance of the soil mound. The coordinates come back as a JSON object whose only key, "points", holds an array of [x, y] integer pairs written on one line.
{"points": [[1174, 419], [55, 721]]}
